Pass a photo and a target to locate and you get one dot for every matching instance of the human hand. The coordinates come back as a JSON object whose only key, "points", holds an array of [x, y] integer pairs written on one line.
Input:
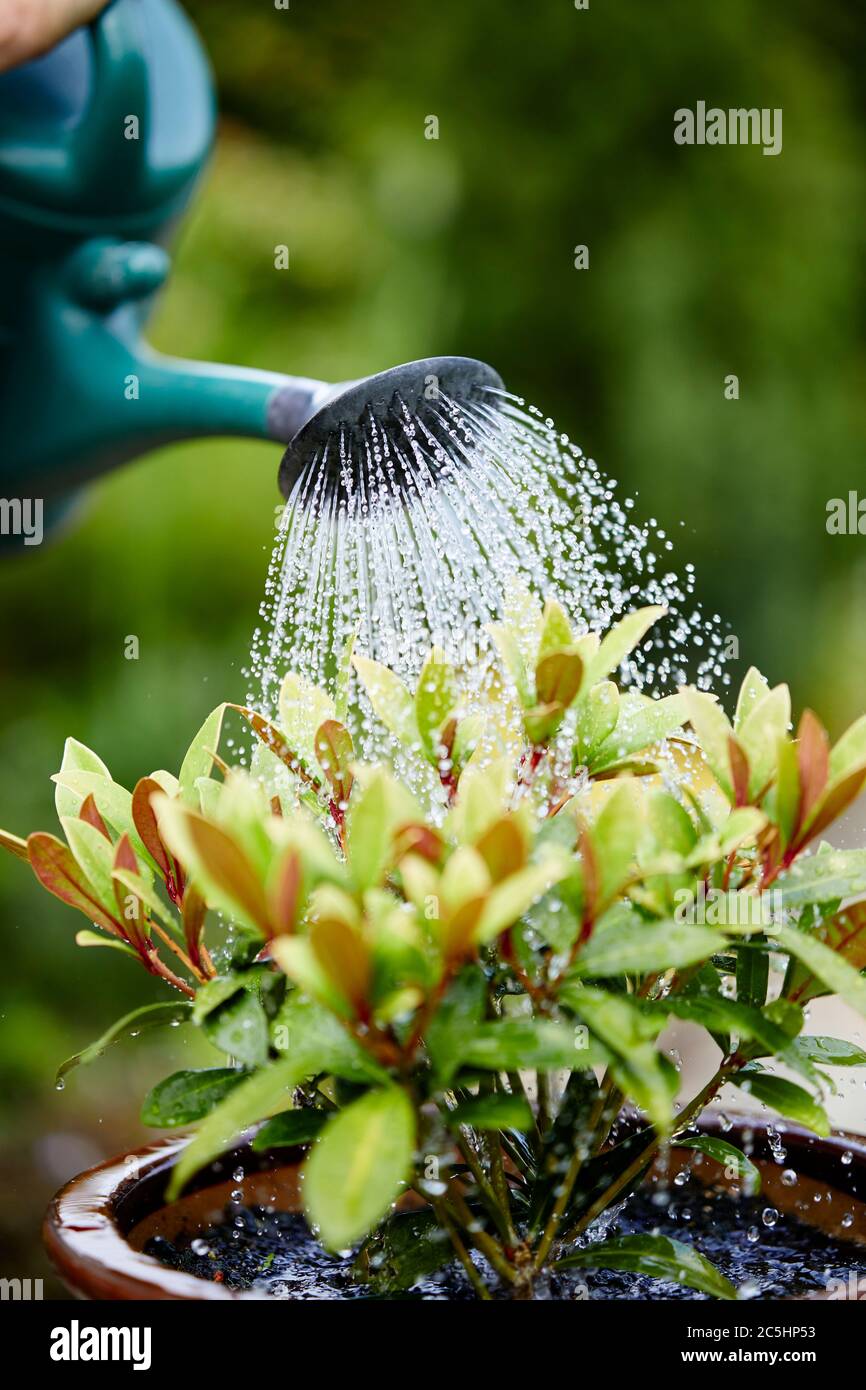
{"points": [[29, 28]]}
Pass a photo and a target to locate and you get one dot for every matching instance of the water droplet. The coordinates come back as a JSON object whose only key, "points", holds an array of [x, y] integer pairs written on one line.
{"points": [[789, 1178], [769, 1216]]}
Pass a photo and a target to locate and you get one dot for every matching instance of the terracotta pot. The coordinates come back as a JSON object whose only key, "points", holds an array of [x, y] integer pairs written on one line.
{"points": [[97, 1225]]}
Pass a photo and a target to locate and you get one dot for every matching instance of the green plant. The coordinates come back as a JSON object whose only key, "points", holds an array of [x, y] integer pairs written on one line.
{"points": [[453, 984]]}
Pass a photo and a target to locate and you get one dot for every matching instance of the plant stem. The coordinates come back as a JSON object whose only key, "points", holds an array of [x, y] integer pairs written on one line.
{"points": [[181, 955], [475, 1279], [601, 1111], [479, 1238], [499, 1184], [487, 1193], [694, 1107]]}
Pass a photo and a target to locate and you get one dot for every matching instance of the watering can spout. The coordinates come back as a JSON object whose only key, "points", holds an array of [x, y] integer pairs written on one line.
{"points": [[101, 143], [83, 391]]}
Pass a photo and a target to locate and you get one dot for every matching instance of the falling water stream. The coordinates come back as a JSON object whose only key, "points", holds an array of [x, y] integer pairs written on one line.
{"points": [[411, 538]]}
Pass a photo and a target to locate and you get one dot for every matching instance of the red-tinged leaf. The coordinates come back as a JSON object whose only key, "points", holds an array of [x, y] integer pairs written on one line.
{"points": [[334, 752], [285, 895], [124, 855], [272, 738], [591, 877], [147, 826], [136, 927], [344, 958], [739, 771], [503, 848], [447, 735], [846, 934], [90, 812], [228, 867], [14, 844], [193, 914], [557, 678], [836, 800], [813, 763], [58, 871], [418, 839], [458, 931]]}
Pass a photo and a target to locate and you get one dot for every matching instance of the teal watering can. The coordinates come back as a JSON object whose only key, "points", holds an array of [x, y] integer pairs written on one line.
{"points": [[101, 144]]}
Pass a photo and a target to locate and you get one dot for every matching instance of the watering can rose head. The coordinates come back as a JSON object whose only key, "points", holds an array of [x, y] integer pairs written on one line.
{"points": [[460, 957]]}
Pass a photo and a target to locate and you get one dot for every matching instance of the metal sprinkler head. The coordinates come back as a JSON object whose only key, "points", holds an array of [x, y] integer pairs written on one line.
{"points": [[417, 402]]}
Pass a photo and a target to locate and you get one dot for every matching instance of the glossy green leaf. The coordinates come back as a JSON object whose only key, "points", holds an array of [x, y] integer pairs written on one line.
{"points": [[113, 802], [829, 967], [149, 1016], [369, 832], [187, 1096], [77, 757], [199, 756], [711, 725], [728, 1155], [292, 1127], [359, 1165], [784, 1096], [597, 714], [632, 946], [253, 1099], [620, 641], [526, 1042], [390, 699], [629, 1033], [508, 647], [615, 838], [302, 1026], [405, 1248], [456, 1021], [759, 734], [435, 698], [822, 878], [721, 1015], [496, 1111], [657, 1256], [641, 723], [830, 1052], [239, 1028]]}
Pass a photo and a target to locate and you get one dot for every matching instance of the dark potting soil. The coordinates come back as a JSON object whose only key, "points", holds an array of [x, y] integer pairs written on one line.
{"points": [[766, 1255]]}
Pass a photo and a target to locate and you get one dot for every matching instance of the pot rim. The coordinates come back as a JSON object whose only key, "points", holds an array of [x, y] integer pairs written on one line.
{"points": [[88, 1221]]}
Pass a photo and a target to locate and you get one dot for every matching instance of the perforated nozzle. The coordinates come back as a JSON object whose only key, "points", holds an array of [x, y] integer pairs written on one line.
{"points": [[416, 396]]}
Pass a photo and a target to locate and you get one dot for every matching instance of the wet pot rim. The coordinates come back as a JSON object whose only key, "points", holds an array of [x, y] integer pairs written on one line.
{"points": [[88, 1223]]}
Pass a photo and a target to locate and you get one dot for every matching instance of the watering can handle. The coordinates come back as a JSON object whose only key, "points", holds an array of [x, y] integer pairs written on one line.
{"points": [[120, 93], [94, 165]]}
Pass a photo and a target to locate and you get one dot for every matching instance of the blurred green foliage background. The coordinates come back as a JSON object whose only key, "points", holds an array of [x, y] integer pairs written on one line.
{"points": [[555, 129]]}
